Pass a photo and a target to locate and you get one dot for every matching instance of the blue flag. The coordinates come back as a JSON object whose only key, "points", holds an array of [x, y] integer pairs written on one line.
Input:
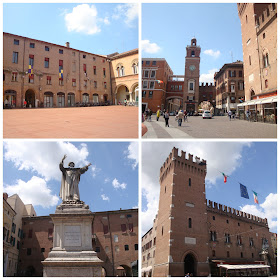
{"points": [[243, 191]]}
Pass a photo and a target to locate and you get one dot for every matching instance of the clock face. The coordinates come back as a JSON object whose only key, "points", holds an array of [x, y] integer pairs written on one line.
{"points": [[192, 68]]}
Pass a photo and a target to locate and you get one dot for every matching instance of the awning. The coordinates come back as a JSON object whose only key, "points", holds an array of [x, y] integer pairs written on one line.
{"points": [[258, 101], [243, 266]]}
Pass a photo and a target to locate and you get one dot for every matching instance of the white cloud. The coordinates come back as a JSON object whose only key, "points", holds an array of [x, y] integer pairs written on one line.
{"points": [[43, 158], [149, 47], [222, 156], [84, 19], [127, 11], [35, 192], [132, 154], [212, 53], [117, 185], [94, 170], [106, 21], [268, 209], [104, 197], [209, 77], [107, 180]]}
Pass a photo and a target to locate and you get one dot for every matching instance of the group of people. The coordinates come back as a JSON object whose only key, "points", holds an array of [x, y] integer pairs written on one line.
{"points": [[231, 115]]}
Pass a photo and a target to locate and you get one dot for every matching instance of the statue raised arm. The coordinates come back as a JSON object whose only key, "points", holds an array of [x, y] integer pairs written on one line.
{"points": [[69, 190]]}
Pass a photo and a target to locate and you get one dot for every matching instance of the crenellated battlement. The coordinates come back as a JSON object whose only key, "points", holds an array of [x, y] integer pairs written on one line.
{"points": [[268, 14], [234, 213], [207, 85], [187, 164]]}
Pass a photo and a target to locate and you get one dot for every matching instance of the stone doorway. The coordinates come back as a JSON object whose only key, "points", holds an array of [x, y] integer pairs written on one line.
{"points": [[190, 265], [30, 98]]}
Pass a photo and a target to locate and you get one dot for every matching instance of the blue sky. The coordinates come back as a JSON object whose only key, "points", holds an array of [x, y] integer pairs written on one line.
{"points": [[31, 169], [172, 26], [252, 164], [96, 28]]}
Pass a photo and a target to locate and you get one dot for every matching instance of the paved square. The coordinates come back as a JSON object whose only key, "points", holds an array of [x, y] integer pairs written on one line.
{"points": [[218, 127], [80, 122]]}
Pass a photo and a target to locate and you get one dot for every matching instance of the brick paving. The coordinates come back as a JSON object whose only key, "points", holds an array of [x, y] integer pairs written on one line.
{"points": [[218, 127], [80, 122]]}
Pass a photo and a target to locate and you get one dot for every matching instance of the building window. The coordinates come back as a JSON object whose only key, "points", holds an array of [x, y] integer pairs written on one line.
{"points": [[241, 85], [145, 84], [191, 86], [60, 82], [266, 83], [49, 80], [136, 247], [193, 54], [47, 49], [251, 242], [246, 19], [273, 6], [147, 62], [84, 56], [213, 236], [240, 74], [238, 224], [190, 222], [214, 218], [153, 74], [250, 60], [42, 250], [152, 85], [239, 240], [252, 255], [150, 94], [85, 83], [130, 227], [117, 249], [29, 251], [161, 230], [105, 85], [15, 57], [265, 60], [97, 249], [105, 229], [154, 63], [104, 72], [232, 88], [126, 247], [31, 59], [180, 87], [190, 182], [93, 58], [146, 74], [135, 68], [116, 238], [32, 45], [31, 79], [241, 254], [263, 35], [123, 227], [122, 71], [85, 69], [14, 76], [94, 70], [73, 82], [144, 93], [227, 237], [47, 61], [16, 42], [60, 51], [95, 84], [50, 233]]}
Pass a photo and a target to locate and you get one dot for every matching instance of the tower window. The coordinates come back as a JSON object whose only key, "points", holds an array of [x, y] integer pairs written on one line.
{"points": [[190, 222], [193, 54], [214, 218], [165, 189], [161, 230], [190, 182]]}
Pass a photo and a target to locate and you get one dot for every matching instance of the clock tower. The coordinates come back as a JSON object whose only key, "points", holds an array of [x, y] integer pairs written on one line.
{"points": [[191, 81]]}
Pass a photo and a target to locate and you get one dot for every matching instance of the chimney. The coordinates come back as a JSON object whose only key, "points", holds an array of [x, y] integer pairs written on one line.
{"points": [[67, 45], [5, 196]]}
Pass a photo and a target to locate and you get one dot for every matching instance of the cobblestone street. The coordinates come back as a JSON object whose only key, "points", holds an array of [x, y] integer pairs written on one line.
{"points": [[218, 127]]}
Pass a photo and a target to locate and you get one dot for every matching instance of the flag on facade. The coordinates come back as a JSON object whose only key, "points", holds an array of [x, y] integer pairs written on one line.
{"points": [[159, 82], [225, 177], [243, 191], [255, 197], [61, 74], [30, 70]]}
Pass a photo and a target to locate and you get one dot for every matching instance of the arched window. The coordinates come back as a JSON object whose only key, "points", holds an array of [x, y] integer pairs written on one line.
{"points": [[118, 72], [193, 54], [265, 60], [134, 68], [190, 182], [122, 71], [190, 222]]}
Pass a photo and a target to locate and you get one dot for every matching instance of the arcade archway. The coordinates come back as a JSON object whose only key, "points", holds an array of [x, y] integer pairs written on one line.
{"points": [[174, 104], [122, 94], [30, 98], [123, 271], [206, 105]]}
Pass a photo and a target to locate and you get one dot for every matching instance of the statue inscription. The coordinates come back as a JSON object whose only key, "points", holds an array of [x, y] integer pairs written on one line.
{"points": [[72, 236]]}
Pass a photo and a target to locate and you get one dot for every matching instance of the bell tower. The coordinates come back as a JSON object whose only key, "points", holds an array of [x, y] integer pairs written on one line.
{"points": [[191, 82], [181, 234]]}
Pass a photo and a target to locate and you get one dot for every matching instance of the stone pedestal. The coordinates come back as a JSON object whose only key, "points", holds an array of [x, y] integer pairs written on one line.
{"points": [[72, 254]]}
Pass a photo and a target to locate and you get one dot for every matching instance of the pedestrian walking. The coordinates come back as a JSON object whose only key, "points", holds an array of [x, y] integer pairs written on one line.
{"points": [[150, 115], [125, 102], [248, 115], [185, 116], [158, 114], [229, 114], [180, 117], [166, 117]]}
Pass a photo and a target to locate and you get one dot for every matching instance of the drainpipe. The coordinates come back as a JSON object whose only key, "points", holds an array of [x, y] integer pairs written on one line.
{"points": [[112, 249], [22, 84]]}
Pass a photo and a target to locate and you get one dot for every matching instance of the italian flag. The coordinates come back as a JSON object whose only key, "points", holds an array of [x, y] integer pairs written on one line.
{"points": [[225, 177], [255, 197]]}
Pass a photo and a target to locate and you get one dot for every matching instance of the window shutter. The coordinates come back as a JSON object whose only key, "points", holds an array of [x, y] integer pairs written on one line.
{"points": [[123, 227], [130, 227], [85, 68], [105, 229], [46, 59], [31, 56], [60, 62]]}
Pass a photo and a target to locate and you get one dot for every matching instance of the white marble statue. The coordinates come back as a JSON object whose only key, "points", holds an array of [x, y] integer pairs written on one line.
{"points": [[69, 189]]}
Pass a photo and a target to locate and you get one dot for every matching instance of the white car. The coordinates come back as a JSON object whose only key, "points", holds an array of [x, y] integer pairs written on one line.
{"points": [[206, 115]]}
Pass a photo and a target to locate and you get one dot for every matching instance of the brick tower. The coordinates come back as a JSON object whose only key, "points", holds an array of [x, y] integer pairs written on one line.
{"points": [[191, 81], [181, 234]]}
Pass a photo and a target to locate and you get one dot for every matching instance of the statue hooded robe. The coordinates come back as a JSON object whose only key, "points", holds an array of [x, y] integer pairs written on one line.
{"points": [[69, 189]]}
